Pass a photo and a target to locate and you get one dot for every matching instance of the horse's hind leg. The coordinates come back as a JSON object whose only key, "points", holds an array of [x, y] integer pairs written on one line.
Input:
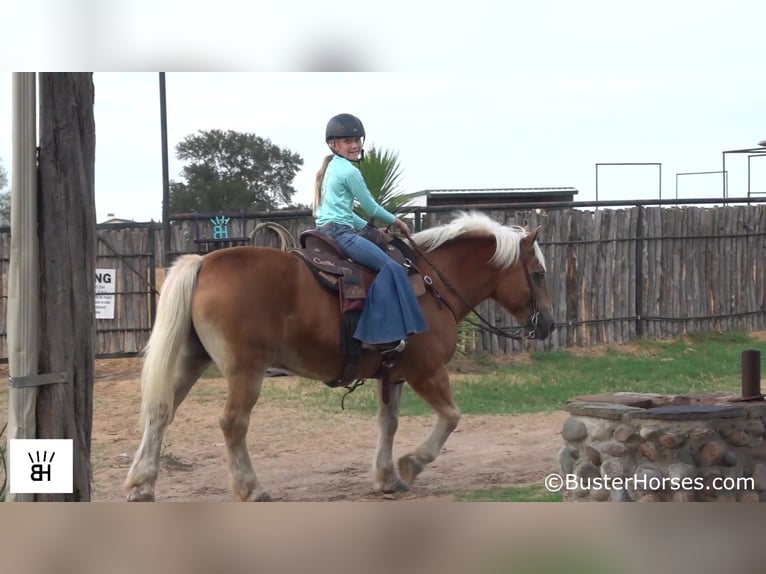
{"points": [[244, 390], [142, 475], [436, 392], [386, 478]]}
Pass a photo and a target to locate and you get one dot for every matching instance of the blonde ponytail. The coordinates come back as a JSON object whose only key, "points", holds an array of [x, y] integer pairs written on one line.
{"points": [[318, 182]]}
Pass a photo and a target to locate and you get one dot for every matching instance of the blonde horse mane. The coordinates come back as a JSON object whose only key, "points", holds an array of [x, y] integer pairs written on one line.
{"points": [[507, 238]]}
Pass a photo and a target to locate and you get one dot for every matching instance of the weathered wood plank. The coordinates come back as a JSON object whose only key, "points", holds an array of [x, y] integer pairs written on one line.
{"points": [[67, 227]]}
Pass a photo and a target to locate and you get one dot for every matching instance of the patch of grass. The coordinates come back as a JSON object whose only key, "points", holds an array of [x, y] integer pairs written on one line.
{"points": [[528, 493], [727, 337], [709, 362], [203, 392], [212, 372], [314, 395], [700, 364], [553, 555]]}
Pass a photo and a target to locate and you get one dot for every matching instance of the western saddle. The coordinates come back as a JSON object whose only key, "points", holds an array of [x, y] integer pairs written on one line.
{"points": [[339, 274]]}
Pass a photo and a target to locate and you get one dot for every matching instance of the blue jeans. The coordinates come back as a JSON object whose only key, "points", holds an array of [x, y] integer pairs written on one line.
{"points": [[356, 247], [391, 311]]}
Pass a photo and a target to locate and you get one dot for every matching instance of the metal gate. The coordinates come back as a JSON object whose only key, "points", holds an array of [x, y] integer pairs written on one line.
{"points": [[126, 279]]}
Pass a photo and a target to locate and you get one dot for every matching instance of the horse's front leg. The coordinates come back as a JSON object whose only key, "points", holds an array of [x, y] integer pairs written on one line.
{"points": [[386, 478], [435, 390]]}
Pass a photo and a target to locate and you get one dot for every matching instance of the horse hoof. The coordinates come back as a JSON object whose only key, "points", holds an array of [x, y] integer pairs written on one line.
{"points": [[141, 494], [395, 488], [259, 497], [409, 468]]}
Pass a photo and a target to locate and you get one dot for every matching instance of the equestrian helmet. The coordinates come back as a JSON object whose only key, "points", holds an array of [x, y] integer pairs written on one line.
{"points": [[344, 126]]}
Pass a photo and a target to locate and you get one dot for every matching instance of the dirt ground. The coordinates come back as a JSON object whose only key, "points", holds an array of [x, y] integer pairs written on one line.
{"points": [[304, 456]]}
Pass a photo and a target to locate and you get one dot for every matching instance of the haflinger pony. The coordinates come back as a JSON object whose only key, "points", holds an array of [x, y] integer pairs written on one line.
{"points": [[247, 309]]}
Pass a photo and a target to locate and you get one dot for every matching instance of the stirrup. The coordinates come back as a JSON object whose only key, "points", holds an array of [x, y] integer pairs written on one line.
{"points": [[395, 347]]}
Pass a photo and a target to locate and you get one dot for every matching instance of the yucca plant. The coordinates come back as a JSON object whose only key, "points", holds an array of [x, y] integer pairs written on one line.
{"points": [[382, 173], [466, 338]]}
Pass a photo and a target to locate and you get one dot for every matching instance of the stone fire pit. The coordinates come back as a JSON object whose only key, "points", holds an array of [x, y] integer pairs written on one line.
{"points": [[704, 447]]}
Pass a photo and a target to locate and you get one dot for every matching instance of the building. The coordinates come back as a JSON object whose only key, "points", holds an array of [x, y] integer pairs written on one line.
{"points": [[112, 220], [486, 198]]}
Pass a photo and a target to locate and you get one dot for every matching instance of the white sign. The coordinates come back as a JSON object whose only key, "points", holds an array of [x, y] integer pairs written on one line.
{"points": [[40, 465], [105, 283]]}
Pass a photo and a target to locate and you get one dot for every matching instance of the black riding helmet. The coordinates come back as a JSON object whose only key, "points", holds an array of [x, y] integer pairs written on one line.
{"points": [[344, 126]]}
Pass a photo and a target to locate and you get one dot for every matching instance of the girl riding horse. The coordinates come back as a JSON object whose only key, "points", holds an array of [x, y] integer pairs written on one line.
{"points": [[391, 312]]}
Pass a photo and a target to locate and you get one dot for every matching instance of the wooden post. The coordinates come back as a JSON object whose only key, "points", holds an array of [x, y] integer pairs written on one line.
{"points": [[572, 290], [23, 276], [751, 373], [67, 216], [639, 308]]}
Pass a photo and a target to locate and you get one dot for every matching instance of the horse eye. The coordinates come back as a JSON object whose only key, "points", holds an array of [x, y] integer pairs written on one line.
{"points": [[539, 275]]}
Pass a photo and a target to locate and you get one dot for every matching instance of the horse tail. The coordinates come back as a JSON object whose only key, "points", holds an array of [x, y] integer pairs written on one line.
{"points": [[172, 327]]}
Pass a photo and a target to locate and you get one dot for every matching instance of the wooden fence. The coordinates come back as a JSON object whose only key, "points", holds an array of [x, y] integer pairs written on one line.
{"points": [[131, 252], [128, 252], [615, 275], [200, 234]]}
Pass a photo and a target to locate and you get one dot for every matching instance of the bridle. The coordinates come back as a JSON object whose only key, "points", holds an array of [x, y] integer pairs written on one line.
{"points": [[528, 331]]}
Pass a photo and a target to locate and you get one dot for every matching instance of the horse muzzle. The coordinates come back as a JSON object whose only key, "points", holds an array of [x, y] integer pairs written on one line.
{"points": [[539, 326]]}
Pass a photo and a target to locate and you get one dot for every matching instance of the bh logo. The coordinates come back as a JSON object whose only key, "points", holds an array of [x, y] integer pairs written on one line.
{"points": [[40, 471], [40, 466], [220, 226]]}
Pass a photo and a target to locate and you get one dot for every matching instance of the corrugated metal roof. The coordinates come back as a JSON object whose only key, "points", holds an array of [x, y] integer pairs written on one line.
{"points": [[502, 190]]}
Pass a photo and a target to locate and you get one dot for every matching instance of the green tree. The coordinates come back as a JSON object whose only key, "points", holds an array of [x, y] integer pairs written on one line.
{"points": [[5, 198], [233, 171]]}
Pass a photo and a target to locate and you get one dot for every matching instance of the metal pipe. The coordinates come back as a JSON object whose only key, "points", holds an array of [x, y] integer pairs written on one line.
{"points": [[596, 183], [292, 213], [695, 173], [165, 174], [631, 163]]}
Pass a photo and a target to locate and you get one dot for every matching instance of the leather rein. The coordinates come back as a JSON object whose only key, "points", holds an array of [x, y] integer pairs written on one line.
{"points": [[528, 331]]}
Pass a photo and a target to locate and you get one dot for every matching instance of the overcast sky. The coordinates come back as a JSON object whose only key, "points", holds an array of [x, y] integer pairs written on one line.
{"points": [[514, 96]]}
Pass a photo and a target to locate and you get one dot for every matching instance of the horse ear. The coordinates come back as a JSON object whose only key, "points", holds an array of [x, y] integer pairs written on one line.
{"points": [[532, 237]]}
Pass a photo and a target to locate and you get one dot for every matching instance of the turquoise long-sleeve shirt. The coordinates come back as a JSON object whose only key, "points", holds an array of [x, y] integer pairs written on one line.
{"points": [[343, 182]]}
